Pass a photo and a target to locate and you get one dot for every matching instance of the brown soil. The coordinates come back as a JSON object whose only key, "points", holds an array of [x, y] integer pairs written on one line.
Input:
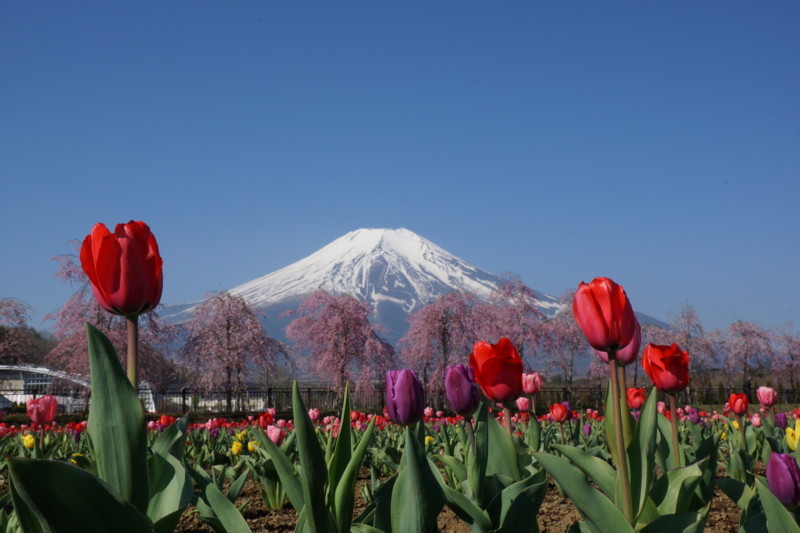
{"points": [[555, 515]]}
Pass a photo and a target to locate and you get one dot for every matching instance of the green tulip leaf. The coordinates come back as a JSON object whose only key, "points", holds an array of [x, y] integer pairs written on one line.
{"points": [[416, 489], [641, 453], [343, 449], [344, 498], [597, 509], [284, 468], [170, 441], [679, 523], [116, 423], [779, 519], [458, 468], [57, 496], [736, 490], [171, 491], [467, 511], [515, 509], [599, 471], [222, 511], [673, 491]]}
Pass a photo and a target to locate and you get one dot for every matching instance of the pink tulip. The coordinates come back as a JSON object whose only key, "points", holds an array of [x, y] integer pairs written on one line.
{"points": [[43, 410], [756, 420], [428, 412], [531, 383], [313, 414], [523, 404], [662, 408], [767, 396], [275, 434]]}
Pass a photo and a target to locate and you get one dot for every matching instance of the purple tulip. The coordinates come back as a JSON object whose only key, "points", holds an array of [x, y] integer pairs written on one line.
{"points": [[587, 429], [693, 415], [461, 389], [405, 399], [781, 421], [783, 478]]}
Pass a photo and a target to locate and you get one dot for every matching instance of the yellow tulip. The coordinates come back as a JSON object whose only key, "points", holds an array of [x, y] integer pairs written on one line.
{"points": [[792, 434], [236, 447], [241, 436], [251, 446], [735, 424], [429, 439], [29, 441]]}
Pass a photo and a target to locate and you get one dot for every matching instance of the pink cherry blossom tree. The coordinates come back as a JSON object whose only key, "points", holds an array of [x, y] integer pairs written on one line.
{"points": [[786, 365], [747, 348], [225, 342], [440, 333], [689, 334], [70, 352], [16, 340], [563, 342], [343, 346], [511, 312]]}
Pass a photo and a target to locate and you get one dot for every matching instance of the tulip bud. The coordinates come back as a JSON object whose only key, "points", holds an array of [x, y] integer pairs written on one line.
{"points": [[693, 415], [738, 403], [275, 434], [559, 412], [461, 389], [313, 414], [767, 396], [587, 429], [124, 268], [523, 404], [636, 397], [498, 370], [43, 410], [405, 399], [755, 419], [531, 383], [781, 420], [667, 366], [783, 479], [604, 314]]}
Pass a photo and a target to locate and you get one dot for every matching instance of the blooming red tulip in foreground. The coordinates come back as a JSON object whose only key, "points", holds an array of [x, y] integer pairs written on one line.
{"points": [[604, 314], [498, 370], [124, 268]]}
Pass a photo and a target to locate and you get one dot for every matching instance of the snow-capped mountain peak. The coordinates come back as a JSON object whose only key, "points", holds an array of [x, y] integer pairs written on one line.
{"points": [[374, 264]]}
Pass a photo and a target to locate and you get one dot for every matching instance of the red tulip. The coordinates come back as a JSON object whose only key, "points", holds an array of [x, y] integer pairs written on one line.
{"points": [[630, 353], [739, 403], [124, 268], [43, 410], [498, 370], [667, 366], [635, 398], [604, 314], [559, 412]]}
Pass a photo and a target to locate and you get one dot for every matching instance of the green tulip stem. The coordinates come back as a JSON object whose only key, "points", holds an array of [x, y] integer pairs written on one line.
{"points": [[623, 401], [673, 418], [532, 398], [561, 427], [471, 435], [507, 419], [133, 351], [619, 437], [741, 420]]}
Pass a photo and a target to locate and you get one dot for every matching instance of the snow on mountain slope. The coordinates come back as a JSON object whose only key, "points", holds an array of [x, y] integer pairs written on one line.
{"points": [[396, 271], [375, 265]]}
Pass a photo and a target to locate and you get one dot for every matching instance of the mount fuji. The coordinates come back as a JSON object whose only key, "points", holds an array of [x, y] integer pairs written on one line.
{"points": [[396, 271]]}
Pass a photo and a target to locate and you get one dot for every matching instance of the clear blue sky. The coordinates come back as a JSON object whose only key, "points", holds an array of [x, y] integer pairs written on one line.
{"points": [[657, 143]]}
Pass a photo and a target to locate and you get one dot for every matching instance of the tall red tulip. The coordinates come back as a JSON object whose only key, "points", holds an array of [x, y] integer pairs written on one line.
{"points": [[667, 366], [604, 314], [498, 370], [636, 397], [43, 410], [124, 268], [125, 271], [560, 412], [629, 353], [739, 403]]}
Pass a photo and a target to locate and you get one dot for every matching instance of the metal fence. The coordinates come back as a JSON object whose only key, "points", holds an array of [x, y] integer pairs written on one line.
{"points": [[328, 399]]}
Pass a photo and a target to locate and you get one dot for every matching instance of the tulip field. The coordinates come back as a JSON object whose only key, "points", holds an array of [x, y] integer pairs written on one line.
{"points": [[639, 462]]}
